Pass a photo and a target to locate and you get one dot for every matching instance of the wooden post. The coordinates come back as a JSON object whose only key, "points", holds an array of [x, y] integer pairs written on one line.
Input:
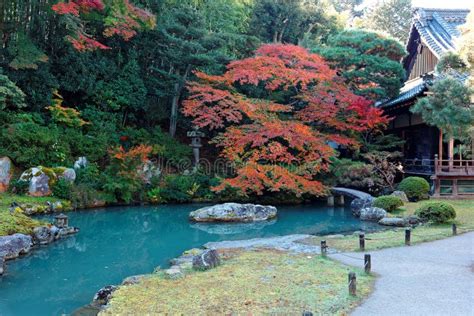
{"points": [[331, 200], [352, 283], [362, 242], [451, 153], [367, 263], [323, 248], [440, 150], [455, 229], [407, 237], [340, 200]]}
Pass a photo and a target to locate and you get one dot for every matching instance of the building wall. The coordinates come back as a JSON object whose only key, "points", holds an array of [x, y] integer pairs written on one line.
{"points": [[425, 62]]}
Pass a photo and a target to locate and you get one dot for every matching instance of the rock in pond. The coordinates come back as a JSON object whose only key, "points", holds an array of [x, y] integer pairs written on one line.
{"points": [[13, 246], [44, 235], [6, 169], [394, 221], [234, 212], [208, 259], [102, 297], [358, 204], [2, 264], [401, 195], [372, 214]]}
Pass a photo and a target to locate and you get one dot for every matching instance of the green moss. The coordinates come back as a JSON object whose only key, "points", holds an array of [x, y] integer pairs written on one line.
{"points": [[249, 282], [16, 223]]}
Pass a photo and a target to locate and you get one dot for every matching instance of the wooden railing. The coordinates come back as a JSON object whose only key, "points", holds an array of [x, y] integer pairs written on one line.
{"points": [[455, 167]]}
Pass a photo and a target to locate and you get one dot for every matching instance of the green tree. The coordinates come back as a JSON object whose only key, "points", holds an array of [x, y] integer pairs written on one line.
{"points": [[292, 21], [391, 16], [10, 95], [369, 62]]}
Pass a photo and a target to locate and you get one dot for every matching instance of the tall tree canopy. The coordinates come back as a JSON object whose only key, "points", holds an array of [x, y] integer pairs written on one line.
{"points": [[369, 62], [276, 113], [391, 16], [291, 21]]}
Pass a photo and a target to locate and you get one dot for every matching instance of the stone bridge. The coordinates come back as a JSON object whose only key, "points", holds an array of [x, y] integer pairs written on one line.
{"points": [[338, 195]]}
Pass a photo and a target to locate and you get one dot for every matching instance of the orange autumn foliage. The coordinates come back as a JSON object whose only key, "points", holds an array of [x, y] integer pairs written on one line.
{"points": [[276, 113]]}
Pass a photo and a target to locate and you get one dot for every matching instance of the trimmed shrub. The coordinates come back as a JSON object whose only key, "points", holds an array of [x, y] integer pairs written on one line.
{"points": [[388, 203], [415, 188], [62, 189], [19, 186], [438, 212]]}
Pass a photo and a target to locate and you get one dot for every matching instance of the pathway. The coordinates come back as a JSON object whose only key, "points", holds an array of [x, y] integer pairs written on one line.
{"points": [[435, 278]]}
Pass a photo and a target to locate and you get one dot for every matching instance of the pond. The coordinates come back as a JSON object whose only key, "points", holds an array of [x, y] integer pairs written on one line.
{"points": [[120, 242]]}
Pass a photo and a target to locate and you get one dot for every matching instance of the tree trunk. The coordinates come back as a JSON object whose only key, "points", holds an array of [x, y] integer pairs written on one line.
{"points": [[177, 90], [451, 152]]}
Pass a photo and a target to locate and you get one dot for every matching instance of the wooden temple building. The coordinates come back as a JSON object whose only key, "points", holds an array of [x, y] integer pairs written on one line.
{"points": [[433, 33]]}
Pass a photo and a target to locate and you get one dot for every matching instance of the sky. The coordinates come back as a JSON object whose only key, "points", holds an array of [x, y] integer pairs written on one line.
{"points": [[443, 3]]}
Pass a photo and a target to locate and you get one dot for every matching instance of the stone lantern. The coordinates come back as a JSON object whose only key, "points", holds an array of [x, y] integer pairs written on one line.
{"points": [[61, 221], [195, 136]]}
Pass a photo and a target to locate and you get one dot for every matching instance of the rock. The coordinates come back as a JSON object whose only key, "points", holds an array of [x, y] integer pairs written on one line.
{"points": [[400, 194], [103, 296], [68, 174], [174, 272], [2, 264], [372, 214], [206, 260], [6, 169], [81, 162], [14, 245], [44, 235], [39, 179], [358, 204], [67, 231], [233, 212], [414, 220], [148, 171], [134, 279], [394, 221]]}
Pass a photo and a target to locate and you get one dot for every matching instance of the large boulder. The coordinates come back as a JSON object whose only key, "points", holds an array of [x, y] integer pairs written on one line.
{"points": [[394, 221], [13, 246], [372, 214], [81, 162], [401, 195], [206, 260], [6, 169], [68, 174], [233, 212], [39, 179], [358, 204]]}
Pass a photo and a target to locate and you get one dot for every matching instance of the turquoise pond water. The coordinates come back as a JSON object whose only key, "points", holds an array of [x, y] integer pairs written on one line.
{"points": [[119, 242]]}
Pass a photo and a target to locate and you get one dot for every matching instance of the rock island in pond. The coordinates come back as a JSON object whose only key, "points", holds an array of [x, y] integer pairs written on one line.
{"points": [[233, 212]]}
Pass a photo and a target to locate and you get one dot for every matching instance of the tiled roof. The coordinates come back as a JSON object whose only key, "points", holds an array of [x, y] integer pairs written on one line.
{"points": [[438, 28], [418, 86], [410, 90]]}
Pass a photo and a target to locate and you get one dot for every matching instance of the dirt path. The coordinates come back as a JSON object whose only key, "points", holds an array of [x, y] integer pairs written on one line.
{"points": [[435, 278]]}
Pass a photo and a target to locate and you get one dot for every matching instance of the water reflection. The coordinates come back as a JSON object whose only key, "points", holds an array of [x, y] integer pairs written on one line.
{"points": [[231, 228]]}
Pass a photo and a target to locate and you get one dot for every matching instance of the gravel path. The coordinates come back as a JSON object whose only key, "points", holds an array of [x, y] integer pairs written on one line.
{"points": [[435, 278]]}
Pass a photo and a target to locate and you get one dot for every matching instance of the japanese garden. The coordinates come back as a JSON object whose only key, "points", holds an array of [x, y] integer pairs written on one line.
{"points": [[221, 157]]}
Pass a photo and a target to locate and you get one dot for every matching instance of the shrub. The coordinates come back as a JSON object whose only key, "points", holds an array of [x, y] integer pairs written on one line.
{"points": [[184, 188], [415, 188], [438, 212], [388, 203], [19, 186], [62, 189]]}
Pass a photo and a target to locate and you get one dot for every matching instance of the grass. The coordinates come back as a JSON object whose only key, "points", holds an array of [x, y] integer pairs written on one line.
{"points": [[248, 282], [17, 222], [396, 237]]}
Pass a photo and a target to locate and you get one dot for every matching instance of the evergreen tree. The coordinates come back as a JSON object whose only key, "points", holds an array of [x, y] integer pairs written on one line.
{"points": [[369, 62]]}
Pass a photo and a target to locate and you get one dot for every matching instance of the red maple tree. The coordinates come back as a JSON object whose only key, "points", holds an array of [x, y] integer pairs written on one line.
{"points": [[277, 113], [120, 18]]}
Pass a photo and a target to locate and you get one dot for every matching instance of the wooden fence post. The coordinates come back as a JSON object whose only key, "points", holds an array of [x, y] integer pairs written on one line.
{"points": [[455, 230], [352, 283], [323, 248], [362, 241], [407, 237], [367, 263]]}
